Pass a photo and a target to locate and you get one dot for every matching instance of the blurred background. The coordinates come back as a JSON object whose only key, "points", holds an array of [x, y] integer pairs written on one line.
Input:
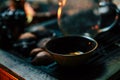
{"points": [[23, 34]]}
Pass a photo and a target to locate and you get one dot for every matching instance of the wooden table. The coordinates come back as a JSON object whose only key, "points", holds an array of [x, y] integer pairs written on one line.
{"points": [[23, 68]]}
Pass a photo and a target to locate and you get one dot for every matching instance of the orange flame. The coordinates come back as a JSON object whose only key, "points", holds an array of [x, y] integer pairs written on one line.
{"points": [[59, 13], [61, 4], [29, 12]]}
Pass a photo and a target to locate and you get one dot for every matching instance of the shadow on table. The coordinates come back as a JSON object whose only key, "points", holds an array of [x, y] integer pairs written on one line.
{"points": [[83, 72]]}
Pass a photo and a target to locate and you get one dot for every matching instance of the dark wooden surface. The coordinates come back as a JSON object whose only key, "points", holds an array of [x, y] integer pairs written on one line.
{"points": [[22, 67], [103, 65]]}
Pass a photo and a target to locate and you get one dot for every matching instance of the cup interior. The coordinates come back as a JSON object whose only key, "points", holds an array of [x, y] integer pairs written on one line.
{"points": [[71, 44]]}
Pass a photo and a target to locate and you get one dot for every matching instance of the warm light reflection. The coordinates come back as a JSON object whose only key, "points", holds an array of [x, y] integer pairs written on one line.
{"points": [[76, 53], [96, 27], [6, 76]]}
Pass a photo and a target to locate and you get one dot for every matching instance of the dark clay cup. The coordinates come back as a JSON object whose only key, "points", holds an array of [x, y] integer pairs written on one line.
{"points": [[71, 51]]}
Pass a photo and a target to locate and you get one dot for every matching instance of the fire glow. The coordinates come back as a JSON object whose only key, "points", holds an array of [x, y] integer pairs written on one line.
{"points": [[61, 4]]}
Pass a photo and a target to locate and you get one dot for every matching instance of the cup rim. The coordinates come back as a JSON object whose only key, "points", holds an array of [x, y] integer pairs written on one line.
{"points": [[87, 37]]}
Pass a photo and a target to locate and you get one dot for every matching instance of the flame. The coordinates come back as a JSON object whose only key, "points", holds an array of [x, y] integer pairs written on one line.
{"points": [[29, 12], [59, 13], [64, 2], [61, 4]]}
